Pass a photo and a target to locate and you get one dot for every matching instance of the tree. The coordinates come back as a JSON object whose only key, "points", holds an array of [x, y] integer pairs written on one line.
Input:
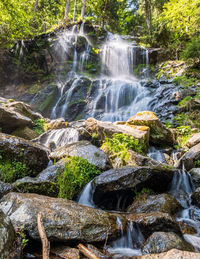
{"points": [[67, 9], [74, 14], [83, 8]]}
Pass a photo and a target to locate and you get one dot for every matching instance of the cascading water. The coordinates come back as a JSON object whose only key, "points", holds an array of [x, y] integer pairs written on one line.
{"points": [[156, 154], [86, 197], [182, 188], [128, 243]]}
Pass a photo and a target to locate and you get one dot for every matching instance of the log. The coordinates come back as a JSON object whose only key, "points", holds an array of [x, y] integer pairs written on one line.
{"points": [[89, 254], [42, 233]]}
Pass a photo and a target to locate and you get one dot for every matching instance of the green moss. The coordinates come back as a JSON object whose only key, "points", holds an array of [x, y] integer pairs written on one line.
{"points": [[40, 126], [184, 81], [34, 89], [78, 172], [185, 102]]}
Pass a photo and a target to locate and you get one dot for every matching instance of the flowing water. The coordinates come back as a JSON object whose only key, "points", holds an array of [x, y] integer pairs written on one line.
{"points": [[86, 197], [156, 154]]}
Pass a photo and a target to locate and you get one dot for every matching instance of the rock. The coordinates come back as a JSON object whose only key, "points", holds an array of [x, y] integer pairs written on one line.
{"points": [[24, 109], [196, 197], [65, 252], [51, 172], [57, 124], [33, 155], [193, 140], [25, 133], [113, 185], [11, 120], [159, 134], [7, 236], [160, 242], [62, 137], [5, 188], [83, 149], [103, 129], [195, 174], [36, 185], [186, 228], [63, 220], [154, 222], [150, 203], [189, 158], [172, 254]]}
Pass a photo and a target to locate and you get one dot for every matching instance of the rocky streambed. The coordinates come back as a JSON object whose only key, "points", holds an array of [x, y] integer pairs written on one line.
{"points": [[137, 201]]}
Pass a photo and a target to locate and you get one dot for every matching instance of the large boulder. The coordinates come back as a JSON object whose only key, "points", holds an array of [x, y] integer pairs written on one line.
{"points": [[154, 222], [33, 155], [51, 172], [7, 236], [107, 129], [190, 157], [25, 132], [193, 140], [83, 149], [11, 120], [5, 188], [150, 203], [63, 220], [116, 183], [160, 242], [159, 134], [172, 254], [196, 197]]}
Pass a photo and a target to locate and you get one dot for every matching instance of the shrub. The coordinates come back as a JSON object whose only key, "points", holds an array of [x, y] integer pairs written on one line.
{"points": [[192, 49], [40, 126], [78, 172]]}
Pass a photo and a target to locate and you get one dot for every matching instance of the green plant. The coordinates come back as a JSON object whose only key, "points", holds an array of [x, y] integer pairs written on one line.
{"points": [[168, 124], [183, 134], [39, 127], [119, 144], [22, 234], [143, 191], [197, 163], [78, 172], [184, 81], [192, 49], [185, 102]]}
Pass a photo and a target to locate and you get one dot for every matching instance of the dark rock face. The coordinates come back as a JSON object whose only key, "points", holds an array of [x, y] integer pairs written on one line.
{"points": [[153, 222], [64, 220], [33, 155], [5, 188], [191, 156], [149, 203], [112, 184], [160, 242], [83, 149], [196, 197], [195, 174], [7, 236], [51, 172]]}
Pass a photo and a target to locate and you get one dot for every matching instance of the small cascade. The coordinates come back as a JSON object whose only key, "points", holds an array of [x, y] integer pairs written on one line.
{"points": [[129, 242], [156, 154], [86, 197], [59, 137]]}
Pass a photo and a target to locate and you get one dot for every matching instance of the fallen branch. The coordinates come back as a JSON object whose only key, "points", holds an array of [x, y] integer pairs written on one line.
{"points": [[84, 250], [42, 233]]}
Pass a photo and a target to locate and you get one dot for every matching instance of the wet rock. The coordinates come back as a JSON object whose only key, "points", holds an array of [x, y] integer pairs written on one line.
{"points": [[154, 222], [36, 185], [189, 158], [195, 174], [103, 129], [193, 140], [172, 254], [186, 228], [150, 203], [113, 184], [65, 252], [25, 133], [159, 135], [5, 188], [62, 137], [160, 242], [196, 197], [33, 155], [57, 124], [51, 172], [83, 149], [11, 120], [63, 220], [7, 236]]}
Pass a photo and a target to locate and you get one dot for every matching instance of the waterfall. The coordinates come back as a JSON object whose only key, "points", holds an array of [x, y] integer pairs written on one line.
{"points": [[156, 154], [129, 241], [86, 197]]}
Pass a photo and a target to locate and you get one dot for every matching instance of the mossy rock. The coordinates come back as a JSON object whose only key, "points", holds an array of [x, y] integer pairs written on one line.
{"points": [[25, 133], [36, 185]]}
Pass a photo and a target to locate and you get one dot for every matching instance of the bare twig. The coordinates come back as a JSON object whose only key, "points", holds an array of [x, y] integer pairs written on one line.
{"points": [[89, 254], [42, 233]]}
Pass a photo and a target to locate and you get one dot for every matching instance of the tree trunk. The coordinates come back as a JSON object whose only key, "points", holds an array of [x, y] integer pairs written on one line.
{"points": [[74, 15], [67, 9], [148, 15], [83, 8]]}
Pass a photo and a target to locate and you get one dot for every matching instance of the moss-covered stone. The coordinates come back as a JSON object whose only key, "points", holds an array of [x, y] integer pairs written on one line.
{"points": [[25, 133]]}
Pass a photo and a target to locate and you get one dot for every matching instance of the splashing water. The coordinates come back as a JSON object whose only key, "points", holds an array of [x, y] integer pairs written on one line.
{"points": [[86, 197]]}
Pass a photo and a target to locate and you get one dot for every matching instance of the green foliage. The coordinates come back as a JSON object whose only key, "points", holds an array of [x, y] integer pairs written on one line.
{"points": [[192, 49], [138, 194], [183, 134], [168, 124], [10, 171], [119, 145], [197, 163], [185, 102], [40, 126], [184, 81], [78, 172], [22, 234]]}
